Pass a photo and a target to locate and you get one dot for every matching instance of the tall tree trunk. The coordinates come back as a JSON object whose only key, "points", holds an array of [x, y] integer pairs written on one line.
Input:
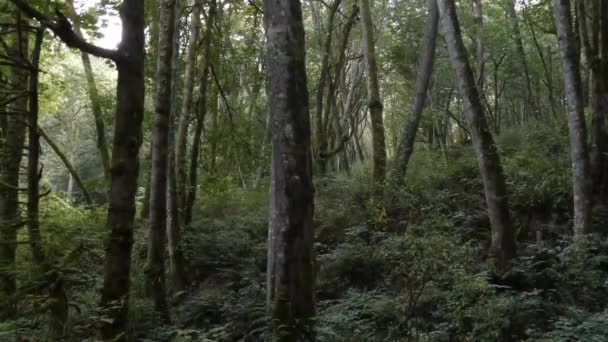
{"points": [[155, 269], [291, 271], [58, 299], [546, 64], [325, 54], [603, 51], [503, 239], [479, 47], [125, 169], [102, 144], [177, 273], [181, 140], [201, 115], [581, 185], [427, 57], [599, 93], [373, 93], [10, 162], [521, 53]]}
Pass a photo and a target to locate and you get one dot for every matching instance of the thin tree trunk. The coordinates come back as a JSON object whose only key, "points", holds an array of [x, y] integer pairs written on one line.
{"points": [[479, 47], [291, 271], [155, 269], [569, 56], [10, 161], [73, 173], [323, 79], [102, 144], [177, 273], [427, 57], [599, 95], [521, 53], [201, 115], [181, 140], [603, 50], [503, 239], [58, 299], [373, 93]]}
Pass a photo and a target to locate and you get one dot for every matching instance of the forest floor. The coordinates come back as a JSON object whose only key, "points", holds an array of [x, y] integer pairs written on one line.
{"points": [[412, 267]]}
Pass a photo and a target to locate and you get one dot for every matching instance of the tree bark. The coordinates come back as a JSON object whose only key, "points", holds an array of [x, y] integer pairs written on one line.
{"points": [[10, 161], [425, 67], [502, 249], [581, 186], [155, 269], [290, 273], [102, 144], [181, 139], [373, 94]]}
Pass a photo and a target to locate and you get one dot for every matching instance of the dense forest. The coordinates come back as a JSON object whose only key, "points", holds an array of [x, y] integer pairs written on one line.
{"points": [[304, 170]]}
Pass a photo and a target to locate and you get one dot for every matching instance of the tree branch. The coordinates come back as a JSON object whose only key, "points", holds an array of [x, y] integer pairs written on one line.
{"points": [[67, 164], [62, 28]]}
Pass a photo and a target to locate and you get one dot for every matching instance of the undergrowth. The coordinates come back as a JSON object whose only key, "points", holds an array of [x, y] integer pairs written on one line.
{"points": [[408, 267]]}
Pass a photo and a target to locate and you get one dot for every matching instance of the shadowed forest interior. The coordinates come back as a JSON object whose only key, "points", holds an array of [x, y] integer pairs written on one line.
{"points": [[304, 170]]}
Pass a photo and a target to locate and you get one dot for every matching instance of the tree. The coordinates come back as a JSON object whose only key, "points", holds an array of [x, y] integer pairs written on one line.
{"points": [[10, 161], [503, 239], [427, 57], [290, 272], [155, 270], [374, 101], [521, 53], [325, 54], [201, 114], [177, 275], [53, 280], [570, 65], [181, 139]]}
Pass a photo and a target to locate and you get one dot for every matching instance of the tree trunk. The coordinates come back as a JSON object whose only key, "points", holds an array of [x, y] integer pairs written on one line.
{"points": [[479, 47], [124, 171], [323, 79], [181, 140], [177, 273], [599, 100], [201, 115], [503, 239], [291, 271], [373, 93], [569, 56], [57, 297], [427, 57], [521, 53], [155, 269], [74, 177], [102, 144], [10, 162]]}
